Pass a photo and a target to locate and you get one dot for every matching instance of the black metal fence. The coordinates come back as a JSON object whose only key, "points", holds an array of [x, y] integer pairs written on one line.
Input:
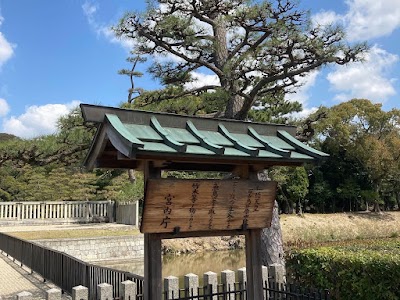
{"points": [[67, 272], [64, 270], [272, 291]]}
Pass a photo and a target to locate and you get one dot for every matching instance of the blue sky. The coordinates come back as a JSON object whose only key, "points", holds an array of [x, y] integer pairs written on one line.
{"points": [[57, 54]]}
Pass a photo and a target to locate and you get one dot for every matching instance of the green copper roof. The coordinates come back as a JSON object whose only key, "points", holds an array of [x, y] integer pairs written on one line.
{"points": [[137, 135]]}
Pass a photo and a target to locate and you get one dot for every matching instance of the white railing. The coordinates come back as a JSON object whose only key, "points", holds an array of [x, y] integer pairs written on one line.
{"points": [[127, 213], [76, 210]]}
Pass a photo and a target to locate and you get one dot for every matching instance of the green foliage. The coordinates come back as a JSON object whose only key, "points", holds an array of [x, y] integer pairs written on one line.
{"points": [[292, 187], [121, 188], [365, 272], [274, 108], [6, 137], [255, 48], [364, 165], [48, 168]]}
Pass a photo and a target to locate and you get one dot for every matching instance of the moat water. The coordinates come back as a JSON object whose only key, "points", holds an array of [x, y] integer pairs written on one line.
{"points": [[180, 265]]}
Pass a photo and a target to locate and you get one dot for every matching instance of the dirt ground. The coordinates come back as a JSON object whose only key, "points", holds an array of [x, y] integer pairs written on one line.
{"points": [[308, 229]]}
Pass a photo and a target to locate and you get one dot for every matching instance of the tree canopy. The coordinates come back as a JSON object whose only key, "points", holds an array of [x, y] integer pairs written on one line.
{"points": [[363, 141], [254, 48]]}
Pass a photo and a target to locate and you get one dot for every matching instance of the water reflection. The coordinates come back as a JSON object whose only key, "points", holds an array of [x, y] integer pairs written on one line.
{"points": [[199, 263], [179, 265]]}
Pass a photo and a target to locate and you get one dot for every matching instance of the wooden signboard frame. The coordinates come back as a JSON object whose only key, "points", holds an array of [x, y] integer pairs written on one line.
{"points": [[174, 205], [152, 241]]}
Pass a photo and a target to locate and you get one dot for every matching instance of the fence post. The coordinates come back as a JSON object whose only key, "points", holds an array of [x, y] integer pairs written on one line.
{"points": [[80, 293], [18, 210], [110, 211], [171, 287], [191, 284], [87, 216], [53, 294], [242, 276], [277, 273], [24, 296], [265, 281], [136, 213], [210, 280], [104, 291], [228, 279], [127, 290]]}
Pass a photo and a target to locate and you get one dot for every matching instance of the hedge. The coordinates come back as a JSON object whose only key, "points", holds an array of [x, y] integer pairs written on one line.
{"points": [[367, 272]]}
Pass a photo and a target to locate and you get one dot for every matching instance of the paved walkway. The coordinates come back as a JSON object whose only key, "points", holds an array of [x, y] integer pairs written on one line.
{"points": [[14, 279], [14, 228]]}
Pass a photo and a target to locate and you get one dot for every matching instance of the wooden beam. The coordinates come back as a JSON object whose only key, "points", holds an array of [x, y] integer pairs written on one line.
{"points": [[152, 250], [254, 264]]}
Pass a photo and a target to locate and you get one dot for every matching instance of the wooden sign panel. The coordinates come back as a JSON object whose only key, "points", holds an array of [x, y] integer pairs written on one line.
{"points": [[207, 205]]}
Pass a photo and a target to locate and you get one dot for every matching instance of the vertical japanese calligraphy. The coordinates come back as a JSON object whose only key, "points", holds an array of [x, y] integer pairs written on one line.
{"points": [[167, 211], [192, 209], [214, 197], [247, 209], [206, 205], [257, 197], [232, 200]]}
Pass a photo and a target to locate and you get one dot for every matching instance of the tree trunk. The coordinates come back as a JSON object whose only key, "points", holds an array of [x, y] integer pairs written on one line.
{"points": [[234, 105], [132, 175], [271, 238], [271, 241], [221, 53], [377, 208], [299, 210]]}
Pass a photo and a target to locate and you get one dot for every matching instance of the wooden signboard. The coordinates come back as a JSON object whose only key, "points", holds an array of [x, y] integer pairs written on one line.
{"points": [[173, 205]]}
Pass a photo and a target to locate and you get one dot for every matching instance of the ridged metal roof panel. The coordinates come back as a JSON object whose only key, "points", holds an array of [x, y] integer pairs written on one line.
{"points": [[154, 136]]}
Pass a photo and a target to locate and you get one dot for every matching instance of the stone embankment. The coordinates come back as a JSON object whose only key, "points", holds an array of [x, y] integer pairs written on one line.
{"points": [[99, 248]]}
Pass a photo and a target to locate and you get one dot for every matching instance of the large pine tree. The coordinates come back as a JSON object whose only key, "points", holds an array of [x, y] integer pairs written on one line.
{"points": [[255, 48]]}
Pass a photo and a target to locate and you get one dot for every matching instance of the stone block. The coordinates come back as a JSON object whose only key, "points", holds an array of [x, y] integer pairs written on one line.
{"points": [[127, 290], [210, 281], [80, 293], [171, 287], [53, 294], [104, 291], [277, 273], [191, 283], [228, 279], [242, 276], [265, 276], [24, 296]]}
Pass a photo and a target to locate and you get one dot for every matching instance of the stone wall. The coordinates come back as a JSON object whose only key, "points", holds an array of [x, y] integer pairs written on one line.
{"points": [[99, 248]]}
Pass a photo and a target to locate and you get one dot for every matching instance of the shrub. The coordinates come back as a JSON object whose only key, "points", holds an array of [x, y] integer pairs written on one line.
{"points": [[367, 272]]}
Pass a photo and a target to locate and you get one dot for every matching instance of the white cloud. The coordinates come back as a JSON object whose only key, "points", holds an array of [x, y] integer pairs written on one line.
{"points": [[370, 18], [4, 107], [367, 79], [302, 93], [304, 113], [200, 79], [6, 49], [90, 9], [365, 19], [37, 120], [325, 18]]}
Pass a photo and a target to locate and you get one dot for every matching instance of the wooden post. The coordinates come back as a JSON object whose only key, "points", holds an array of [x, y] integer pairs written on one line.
{"points": [[254, 264], [152, 267], [152, 251]]}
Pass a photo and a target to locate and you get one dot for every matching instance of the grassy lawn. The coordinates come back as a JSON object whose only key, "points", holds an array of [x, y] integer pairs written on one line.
{"points": [[320, 228], [75, 233], [298, 231]]}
